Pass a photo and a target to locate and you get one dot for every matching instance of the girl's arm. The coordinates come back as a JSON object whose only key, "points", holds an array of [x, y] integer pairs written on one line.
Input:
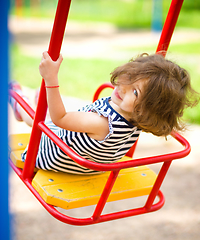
{"points": [[89, 122]]}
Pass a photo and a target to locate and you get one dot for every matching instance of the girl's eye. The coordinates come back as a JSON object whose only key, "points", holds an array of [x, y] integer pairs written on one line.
{"points": [[135, 92]]}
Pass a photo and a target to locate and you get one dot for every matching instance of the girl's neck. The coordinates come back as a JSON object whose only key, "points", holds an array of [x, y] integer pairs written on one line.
{"points": [[124, 114]]}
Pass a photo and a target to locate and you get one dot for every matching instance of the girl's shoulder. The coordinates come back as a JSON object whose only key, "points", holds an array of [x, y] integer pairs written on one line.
{"points": [[100, 106], [103, 108]]}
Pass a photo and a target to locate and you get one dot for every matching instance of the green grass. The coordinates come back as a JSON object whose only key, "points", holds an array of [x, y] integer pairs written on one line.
{"points": [[80, 77], [77, 77], [191, 63]]}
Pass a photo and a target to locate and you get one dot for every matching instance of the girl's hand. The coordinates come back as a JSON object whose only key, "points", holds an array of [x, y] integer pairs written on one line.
{"points": [[49, 69], [91, 123]]}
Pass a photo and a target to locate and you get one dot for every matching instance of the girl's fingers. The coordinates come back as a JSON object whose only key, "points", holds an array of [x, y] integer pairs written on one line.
{"points": [[45, 55], [60, 59]]}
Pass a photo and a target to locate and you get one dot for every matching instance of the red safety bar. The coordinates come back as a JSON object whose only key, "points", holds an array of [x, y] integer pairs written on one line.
{"points": [[169, 26], [27, 173]]}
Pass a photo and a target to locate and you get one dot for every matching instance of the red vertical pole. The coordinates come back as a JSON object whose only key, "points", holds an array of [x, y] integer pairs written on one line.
{"points": [[165, 39], [169, 26], [105, 194], [157, 184], [163, 45], [54, 51], [132, 149]]}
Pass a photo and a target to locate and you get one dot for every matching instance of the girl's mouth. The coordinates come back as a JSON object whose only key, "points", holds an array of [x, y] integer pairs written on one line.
{"points": [[117, 94]]}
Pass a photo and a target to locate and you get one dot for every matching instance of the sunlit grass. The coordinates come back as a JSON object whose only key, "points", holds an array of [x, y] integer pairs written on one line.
{"points": [[77, 77], [80, 77]]}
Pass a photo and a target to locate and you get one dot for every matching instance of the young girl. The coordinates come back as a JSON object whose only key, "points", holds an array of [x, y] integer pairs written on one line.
{"points": [[150, 95]]}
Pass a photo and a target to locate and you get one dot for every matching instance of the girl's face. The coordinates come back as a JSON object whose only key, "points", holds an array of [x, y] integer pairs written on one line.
{"points": [[124, 96]]}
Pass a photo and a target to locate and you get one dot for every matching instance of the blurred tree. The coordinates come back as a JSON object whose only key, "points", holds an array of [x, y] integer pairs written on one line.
{"points": [[191, 5]]}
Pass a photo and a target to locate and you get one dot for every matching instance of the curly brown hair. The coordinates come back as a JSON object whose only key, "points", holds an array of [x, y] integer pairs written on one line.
{"points": [[167, 92]]}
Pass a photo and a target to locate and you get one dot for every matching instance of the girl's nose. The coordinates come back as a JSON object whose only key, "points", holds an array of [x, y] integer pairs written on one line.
{"points": [[124, 88]]}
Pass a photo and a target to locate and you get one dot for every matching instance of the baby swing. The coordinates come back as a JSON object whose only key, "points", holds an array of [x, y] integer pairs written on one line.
{"points": [[127, 178]]}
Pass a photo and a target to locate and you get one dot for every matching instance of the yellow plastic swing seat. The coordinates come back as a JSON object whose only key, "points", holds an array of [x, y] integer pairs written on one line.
{"points": [[72, 191]]}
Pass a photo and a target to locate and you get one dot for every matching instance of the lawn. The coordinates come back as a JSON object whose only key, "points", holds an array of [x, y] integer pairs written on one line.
{"points": [[123, 14], [80, 77]]}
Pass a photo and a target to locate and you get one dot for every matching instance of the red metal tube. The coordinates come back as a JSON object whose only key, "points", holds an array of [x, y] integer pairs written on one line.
{"points": [[119, 165], [54, 51], [132, 149], [90, 220], [59, 28], [22, 103], [157, 185], [169, 26], [105, 194], [100, 89], [133, 212]]}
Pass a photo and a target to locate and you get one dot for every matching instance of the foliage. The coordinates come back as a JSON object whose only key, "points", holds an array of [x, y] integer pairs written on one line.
{"points": [[122, 13], [189, 5]]}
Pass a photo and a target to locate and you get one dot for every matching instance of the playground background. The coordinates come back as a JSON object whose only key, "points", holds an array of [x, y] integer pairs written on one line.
{"points": [[91, 50]]}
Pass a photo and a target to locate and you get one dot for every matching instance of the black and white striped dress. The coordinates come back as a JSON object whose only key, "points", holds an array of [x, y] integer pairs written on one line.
{"points": [[121, 137]]}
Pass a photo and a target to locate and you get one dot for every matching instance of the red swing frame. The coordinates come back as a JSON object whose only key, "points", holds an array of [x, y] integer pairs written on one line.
{"points": [[27, 173]]}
